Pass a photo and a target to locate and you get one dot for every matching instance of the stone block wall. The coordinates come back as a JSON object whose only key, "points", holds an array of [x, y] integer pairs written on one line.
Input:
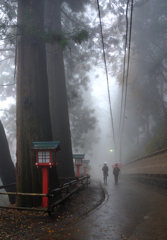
{"points": [[150, 169], [153, 164]]}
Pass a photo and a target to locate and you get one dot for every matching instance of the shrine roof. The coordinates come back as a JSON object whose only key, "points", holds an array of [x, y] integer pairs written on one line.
{"points": [[85, 161], [78, 156], [46, 145]]}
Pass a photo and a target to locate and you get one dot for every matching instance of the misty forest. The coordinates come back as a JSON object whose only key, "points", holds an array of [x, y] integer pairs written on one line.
{"points": [[90, 74]]}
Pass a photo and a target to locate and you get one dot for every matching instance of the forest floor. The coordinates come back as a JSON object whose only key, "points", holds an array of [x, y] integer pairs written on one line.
{"points": [[16, 224]]}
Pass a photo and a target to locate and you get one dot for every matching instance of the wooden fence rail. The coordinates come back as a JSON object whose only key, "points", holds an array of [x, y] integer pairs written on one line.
{"points": [[71, 187]]}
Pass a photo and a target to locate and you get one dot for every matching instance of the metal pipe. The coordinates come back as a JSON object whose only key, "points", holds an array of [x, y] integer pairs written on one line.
{"points": [[29, 209], [7, 185], [70, 183], [68, 195], [25, 194]]}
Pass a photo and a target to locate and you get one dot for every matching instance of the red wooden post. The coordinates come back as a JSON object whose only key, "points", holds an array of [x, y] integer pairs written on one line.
{"points": [[85, 165], [45, 158], [45, 186], [78, 162], [78, 173], [85, 171]]}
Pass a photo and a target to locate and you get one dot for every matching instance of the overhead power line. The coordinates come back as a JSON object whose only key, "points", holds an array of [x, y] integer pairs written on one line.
{"points": [[128, 63], [125, 71], [106, 71], [124, 65]]}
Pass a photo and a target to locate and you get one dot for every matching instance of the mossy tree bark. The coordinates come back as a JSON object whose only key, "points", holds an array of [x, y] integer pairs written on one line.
{"points": [[7, 168], [58, 93], [33, 115]]}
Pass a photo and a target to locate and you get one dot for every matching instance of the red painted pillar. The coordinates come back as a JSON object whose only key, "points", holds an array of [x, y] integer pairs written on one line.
{"points": [[78, 171], [85, 171], [45, 186]]}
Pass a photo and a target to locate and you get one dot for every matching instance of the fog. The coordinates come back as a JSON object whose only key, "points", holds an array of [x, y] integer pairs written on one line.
{"points": [[136, 75], [101, 152], [143, 114]]}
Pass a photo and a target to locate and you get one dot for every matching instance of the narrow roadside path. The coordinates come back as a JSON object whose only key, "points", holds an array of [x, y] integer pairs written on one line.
{"points": [[116, 218], [130, 211], [153, 226]]}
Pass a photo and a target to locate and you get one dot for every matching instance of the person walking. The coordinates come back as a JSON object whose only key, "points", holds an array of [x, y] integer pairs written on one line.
{"points": [[116, 173], [105, 172]]}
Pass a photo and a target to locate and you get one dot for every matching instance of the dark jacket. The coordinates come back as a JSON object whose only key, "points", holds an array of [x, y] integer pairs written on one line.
{"points": [[105, 169], [116, 170]]}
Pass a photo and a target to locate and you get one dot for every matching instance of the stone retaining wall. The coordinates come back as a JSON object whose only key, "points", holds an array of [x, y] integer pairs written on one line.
{"points": [[153, 164], [150, 169]]}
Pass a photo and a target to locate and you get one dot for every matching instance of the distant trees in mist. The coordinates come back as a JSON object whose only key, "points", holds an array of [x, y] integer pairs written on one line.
{"points": [[146, 124]]}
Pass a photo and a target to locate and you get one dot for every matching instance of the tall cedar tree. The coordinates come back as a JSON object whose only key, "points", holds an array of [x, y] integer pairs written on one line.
{"points": [[58, 94], [33, 116], [57, 86]]}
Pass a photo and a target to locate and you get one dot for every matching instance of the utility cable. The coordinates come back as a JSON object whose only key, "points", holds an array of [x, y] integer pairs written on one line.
{"points": [[125, 81], [124, 64], [106, 71], [128, 64]]}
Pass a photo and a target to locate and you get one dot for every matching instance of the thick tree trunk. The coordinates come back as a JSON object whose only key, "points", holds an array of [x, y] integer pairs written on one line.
{"points": [[7, 169], [33, 115], [58, 94]]}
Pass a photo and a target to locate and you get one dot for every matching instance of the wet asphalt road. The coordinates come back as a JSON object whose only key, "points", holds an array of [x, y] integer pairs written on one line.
{"points": [[129, 211]]}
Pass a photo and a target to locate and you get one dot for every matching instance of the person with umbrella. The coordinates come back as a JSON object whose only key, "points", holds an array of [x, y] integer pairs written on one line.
{"points": [[105, 172], [116, 172]]}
